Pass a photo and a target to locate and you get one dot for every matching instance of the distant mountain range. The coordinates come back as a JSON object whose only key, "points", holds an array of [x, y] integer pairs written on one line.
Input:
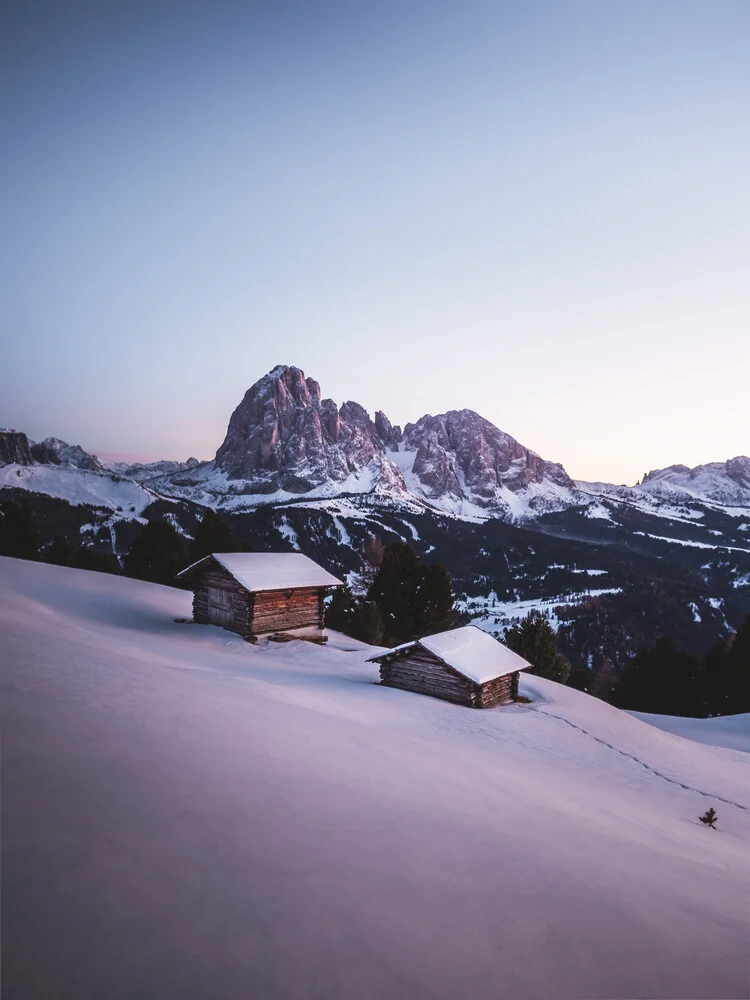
{"points": [[613, 566], [285, 443]]}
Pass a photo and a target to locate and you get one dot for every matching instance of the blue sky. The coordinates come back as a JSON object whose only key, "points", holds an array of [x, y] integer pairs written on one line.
{"points": [[536, 210]]}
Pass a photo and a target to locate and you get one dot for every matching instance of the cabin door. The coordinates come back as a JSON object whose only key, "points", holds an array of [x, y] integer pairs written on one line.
{"points": [[220, 606]]}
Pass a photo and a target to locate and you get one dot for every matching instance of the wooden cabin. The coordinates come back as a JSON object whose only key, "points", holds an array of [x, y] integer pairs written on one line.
{"points": [[465, 665], [260, 593]]}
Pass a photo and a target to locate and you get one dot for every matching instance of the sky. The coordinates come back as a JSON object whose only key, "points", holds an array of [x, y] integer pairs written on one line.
{"points": [[537, 210]]}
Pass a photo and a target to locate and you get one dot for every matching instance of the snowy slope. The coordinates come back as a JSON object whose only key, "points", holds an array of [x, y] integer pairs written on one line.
{"points": [[189, 816], [78, 486], [731, 731]]}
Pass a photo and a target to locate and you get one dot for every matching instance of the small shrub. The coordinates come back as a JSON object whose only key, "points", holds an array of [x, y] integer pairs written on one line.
{"points": [[709, 818]]}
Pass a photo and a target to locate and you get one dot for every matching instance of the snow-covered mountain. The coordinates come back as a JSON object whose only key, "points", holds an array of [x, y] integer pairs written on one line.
{"points": [[725, 483], [285, 442], [142, 472], [53, 451], [683, 492]]}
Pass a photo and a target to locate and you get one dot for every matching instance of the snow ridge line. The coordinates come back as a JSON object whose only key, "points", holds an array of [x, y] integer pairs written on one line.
{"points": [[637, 760]]}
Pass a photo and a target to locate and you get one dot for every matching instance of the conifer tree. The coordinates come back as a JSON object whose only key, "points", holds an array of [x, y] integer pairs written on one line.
{"points": [[367, 625], [395, 591], [738, 656], [340, 610], [18, 534], [58, 552], [435, 603], [534, 639], [213, 534], [157, 554], [709, 818], [663, 680]]}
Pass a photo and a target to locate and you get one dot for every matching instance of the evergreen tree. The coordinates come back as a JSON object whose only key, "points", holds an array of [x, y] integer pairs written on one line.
{"points": [[341, 610], [662, 680], [709, 818], [534, 639], [738, 656], [58, 552], [18, 534], [604, 682], [436, 611], [717, 686], [157, 554], [367, 624], [213, 534], [395, 590], [95, 560]]}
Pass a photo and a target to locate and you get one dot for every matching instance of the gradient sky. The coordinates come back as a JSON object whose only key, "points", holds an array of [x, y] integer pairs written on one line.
{"points": [[539, 210]]}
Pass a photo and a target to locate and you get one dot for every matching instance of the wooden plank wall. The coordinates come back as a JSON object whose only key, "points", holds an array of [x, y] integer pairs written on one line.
{"points": [[499, 691], [217, 577], [418, 670], [281, 610]]}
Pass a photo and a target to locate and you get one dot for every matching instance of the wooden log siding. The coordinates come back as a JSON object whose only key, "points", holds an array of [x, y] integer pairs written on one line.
{"points": [[282, 610], [251, 615], [418, 670], [217, 578]]}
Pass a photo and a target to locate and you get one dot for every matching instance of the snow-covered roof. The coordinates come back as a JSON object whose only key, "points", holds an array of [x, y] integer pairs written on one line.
{"points": [[470, 651], [257, 571]]}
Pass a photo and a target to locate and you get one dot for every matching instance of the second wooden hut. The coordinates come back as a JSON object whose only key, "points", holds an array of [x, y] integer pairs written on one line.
{"points": [[465, 665]]}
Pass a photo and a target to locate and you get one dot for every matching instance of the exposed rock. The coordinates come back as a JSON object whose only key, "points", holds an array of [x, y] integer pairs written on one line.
{"points": [[53, 451], [388, 434], [14, 448], [282, 436], [461, 454]]}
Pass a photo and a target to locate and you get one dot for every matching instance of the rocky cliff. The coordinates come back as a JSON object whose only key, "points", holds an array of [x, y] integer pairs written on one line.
{"points": [[283, 436], [53, 451], [460, 454], [14, 448]]}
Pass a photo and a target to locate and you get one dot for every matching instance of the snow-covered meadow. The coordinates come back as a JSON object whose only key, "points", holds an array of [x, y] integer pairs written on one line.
{"points": [[185, 815]]}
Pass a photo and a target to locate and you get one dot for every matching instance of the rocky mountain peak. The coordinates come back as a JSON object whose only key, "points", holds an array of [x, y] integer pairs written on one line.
{"points": [[282, 436], [54, 451], [460, 453]]}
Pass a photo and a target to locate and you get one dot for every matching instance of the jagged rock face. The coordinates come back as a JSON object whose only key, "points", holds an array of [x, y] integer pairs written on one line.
{"points": [[462, 454], [388, 434], [53, 451], [14, 448], [282, 436]]}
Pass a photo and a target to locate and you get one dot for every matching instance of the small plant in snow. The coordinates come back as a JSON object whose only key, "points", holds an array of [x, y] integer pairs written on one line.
{"points": [[709, 818]]}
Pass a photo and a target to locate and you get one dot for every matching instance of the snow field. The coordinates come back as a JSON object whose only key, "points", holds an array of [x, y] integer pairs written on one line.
{"points": [[189, 816]]}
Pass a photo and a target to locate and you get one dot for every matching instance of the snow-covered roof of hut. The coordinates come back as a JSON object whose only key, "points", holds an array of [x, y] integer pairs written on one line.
{"points": [[470, 651], [257, 571]]}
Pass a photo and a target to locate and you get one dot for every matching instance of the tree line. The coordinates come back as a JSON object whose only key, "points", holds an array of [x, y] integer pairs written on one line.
{"points": [[157, 554], [665, 680]]}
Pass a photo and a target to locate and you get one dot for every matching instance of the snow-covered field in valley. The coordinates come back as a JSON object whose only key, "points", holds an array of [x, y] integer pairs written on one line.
{"points": [[188, 816]]}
